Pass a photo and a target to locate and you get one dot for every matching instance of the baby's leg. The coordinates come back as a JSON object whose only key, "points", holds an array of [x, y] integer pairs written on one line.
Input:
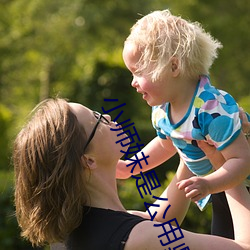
{"points": [[177, 198]]}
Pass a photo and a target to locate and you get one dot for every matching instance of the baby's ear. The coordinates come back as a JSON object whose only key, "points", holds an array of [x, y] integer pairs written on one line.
{"points": [[89, 161], [175, 66]]}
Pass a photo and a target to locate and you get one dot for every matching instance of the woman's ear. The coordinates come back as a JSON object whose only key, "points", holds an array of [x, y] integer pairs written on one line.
{"points": [[90, 161], [175, 66]]}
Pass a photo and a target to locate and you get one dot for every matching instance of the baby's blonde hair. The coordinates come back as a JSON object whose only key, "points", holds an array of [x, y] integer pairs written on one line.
{"points": [[161, 36]]}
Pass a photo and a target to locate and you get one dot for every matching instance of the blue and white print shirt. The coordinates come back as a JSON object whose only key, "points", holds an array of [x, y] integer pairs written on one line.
{"points": [[213, 115]]}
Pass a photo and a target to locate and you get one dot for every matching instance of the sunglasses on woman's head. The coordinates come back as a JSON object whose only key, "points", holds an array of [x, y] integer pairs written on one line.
{"points": [[100, 118]]}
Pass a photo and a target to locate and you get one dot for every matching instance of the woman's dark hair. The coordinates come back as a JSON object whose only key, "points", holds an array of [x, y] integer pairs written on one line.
{"points": [[49, 180]]}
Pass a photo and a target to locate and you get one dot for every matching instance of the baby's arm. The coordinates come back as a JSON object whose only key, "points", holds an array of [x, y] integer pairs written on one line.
{"points": [[158, 150], [234, 171]]}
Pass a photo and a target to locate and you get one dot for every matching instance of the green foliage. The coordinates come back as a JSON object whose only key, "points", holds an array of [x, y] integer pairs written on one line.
{"points": [[230, 71], [5, 124], [245, 103], [68, 47], [9, 231], [73, 48]]}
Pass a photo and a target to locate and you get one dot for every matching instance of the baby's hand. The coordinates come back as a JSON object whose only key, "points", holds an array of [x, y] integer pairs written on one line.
{"points": [[194, 187]]}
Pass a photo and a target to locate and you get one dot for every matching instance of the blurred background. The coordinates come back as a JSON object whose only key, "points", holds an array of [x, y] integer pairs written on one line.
{"points": [[72, 48]]}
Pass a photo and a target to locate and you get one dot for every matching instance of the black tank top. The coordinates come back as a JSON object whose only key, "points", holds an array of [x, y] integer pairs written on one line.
{"points": [[102, 229]]}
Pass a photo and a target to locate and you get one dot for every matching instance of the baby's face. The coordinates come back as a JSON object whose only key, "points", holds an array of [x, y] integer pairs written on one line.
{"points": [[152, 92]]}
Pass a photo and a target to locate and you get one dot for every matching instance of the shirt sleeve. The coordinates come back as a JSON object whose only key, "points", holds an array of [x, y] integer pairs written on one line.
{"points": [[219, 120], [159, 121]]}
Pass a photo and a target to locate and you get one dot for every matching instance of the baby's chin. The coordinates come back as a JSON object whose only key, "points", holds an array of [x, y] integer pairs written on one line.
{"points": [[153, 103]]}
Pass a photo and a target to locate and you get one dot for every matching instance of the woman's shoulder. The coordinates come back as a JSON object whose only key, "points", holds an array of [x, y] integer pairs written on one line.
{"points": [[102, 229], [145, 235]]}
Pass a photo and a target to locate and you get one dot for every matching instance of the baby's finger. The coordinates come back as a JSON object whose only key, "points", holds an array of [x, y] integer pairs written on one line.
{"points": [[184, 183], [193, 194]]}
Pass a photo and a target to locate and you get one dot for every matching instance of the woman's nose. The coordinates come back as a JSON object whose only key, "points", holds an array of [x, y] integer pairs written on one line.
{"points": [[108, 117]]}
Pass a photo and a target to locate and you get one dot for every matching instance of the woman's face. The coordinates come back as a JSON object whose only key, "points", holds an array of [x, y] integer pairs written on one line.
{"points": [[104, 140]]}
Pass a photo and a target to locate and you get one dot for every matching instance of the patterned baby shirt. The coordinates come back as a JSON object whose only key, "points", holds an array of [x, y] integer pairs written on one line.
{"points": [[213, 115]]}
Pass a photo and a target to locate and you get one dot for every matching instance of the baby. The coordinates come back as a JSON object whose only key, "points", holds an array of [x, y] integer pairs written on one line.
{"points": [[170, 59]]}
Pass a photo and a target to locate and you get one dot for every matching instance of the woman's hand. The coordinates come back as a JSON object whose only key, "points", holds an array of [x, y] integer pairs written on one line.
{"points": [[245, 124]]}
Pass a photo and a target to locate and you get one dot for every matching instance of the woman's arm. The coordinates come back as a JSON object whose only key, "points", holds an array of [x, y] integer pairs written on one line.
{"points": [[147, 234]]}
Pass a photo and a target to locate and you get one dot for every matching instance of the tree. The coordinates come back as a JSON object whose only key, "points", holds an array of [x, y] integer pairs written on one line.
{"points": [[72, 48]]}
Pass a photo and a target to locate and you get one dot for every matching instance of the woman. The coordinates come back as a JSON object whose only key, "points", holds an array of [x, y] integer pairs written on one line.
{"points": [[65, 188]]}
